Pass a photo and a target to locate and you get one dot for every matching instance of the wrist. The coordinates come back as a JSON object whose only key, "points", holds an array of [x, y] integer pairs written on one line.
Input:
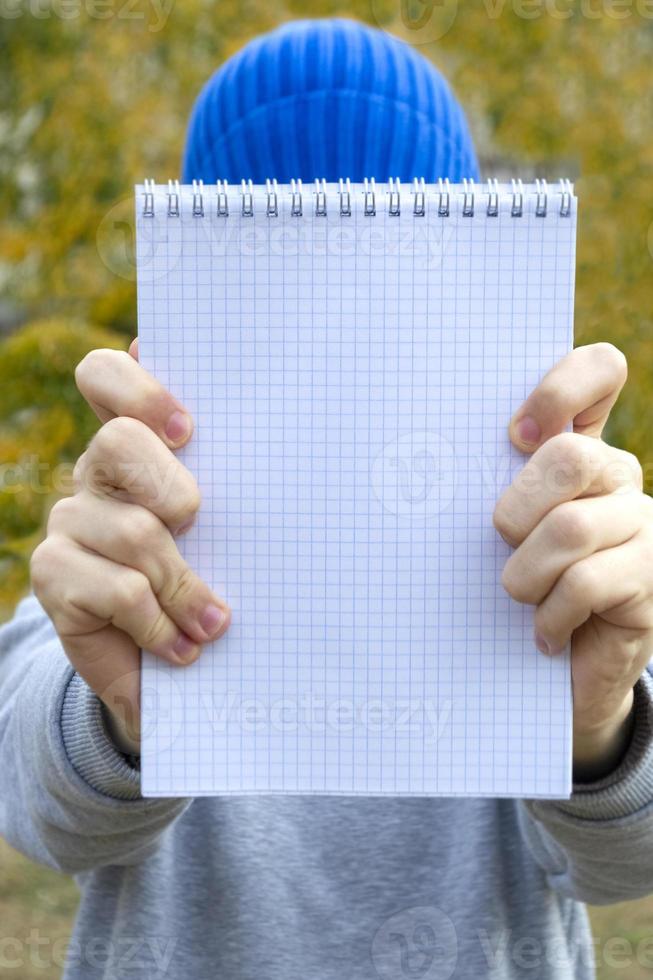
{"points": [[600, 748], [125, 738]]}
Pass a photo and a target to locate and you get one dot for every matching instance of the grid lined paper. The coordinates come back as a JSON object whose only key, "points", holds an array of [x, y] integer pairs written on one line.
{"points": [[351, 380]]}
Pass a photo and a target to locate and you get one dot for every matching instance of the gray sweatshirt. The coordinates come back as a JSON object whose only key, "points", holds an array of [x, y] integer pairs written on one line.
{"points": [[306, 888]]}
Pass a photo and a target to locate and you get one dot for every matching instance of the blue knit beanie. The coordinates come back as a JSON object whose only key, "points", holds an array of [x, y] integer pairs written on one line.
{"points": [[327, 98]]}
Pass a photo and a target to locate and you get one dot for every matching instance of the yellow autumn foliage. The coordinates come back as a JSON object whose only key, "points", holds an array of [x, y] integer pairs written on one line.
{"points": [[45, 426]]}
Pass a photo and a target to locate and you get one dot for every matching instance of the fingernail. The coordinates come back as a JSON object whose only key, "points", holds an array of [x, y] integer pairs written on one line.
{"points": [[184, 647], [178, 427], [543, 645], [212, 619], [528, 431]]}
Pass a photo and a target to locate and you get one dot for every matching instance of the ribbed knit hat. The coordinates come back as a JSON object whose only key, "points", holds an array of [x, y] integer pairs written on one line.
{"points": [[327, 98]]}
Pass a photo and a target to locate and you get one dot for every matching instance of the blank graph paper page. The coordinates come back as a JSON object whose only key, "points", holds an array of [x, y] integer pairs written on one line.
{"points": [[352, 355]]}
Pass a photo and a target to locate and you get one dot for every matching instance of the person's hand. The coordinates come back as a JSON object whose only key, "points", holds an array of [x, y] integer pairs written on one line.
{"points": [[109, 573], [583, 533]]}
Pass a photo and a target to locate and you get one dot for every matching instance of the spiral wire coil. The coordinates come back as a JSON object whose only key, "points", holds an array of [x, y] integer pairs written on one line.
{"points": [[473, 198]]}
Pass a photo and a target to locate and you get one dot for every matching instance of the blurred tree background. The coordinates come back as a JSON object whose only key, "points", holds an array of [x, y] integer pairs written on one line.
{"points": [[95, 96]]}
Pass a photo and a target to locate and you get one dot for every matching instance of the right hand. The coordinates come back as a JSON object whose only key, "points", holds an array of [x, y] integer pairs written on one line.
{"points": [[109, 573]]}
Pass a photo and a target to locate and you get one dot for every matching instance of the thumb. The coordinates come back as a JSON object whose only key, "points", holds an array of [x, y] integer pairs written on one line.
{"points": [[580, 390]]}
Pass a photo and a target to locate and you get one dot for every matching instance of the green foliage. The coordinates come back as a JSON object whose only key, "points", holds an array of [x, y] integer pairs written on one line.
{"points": [[88, 107], [45, 426], [35, 900]]}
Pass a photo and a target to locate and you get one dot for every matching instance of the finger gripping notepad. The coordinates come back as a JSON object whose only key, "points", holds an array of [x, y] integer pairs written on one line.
{"points": [[352, 355]]}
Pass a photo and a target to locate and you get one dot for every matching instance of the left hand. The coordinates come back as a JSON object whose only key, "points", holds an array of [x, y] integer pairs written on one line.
{"points": [[583, 533]]}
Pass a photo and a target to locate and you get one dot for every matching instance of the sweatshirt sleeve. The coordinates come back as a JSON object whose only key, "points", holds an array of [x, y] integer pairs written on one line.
{"points": [[597, 846], [68, 798]]}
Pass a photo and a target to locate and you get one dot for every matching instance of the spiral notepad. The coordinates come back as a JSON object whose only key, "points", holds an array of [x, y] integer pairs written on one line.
{"points": [[352, 355]]}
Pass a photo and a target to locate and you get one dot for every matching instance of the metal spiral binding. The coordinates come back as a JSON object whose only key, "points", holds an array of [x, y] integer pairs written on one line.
{"points": [[297, 206], [394, 197], [247, 195], [492, 210], [148, 203], [565, 199], [345, 198], [419, 194], [223, 200], [444, 198], [468, 198], [198, 198], [320, 198], [517, 206], [369, 192], [173, 198], [544, 200], [272, 209]]}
